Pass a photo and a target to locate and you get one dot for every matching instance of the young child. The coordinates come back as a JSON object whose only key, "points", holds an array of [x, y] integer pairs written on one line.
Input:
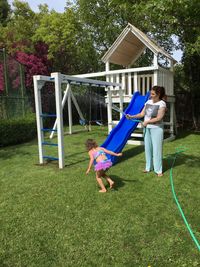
{"points": [[101, 163]]}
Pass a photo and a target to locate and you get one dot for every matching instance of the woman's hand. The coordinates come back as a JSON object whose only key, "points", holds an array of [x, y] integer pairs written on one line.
{"points": [[128, 116], [119, 154], [145, 123]]}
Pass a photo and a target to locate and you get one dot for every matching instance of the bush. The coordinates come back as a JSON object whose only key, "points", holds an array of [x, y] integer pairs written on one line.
{"points": [[18, 130]]}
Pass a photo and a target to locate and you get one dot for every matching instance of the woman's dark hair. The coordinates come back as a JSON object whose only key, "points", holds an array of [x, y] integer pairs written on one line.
{"points": [[90, 143], [159, 90]]}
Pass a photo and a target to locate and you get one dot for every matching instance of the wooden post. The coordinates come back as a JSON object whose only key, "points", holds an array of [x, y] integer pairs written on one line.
{"points": [[171, 119], [135, 82], [22, 87], [59, 115], [129, 84], [109, 97], [155, 76], [38, 110], [69, 104], [109, 110]]}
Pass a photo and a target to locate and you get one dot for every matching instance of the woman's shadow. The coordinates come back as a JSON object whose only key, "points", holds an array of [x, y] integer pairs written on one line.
{"points": [[176, 159], [130, 153]]}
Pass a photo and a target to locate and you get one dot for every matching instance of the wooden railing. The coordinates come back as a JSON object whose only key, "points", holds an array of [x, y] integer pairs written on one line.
{"points": [[136, 79]]}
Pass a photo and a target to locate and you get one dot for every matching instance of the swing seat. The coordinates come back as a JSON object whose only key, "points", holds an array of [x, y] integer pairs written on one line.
{"points": [[99, 123], [82, 122]]}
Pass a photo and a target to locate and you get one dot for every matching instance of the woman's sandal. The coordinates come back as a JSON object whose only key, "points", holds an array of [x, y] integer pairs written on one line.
{"points": [[145, 171]]}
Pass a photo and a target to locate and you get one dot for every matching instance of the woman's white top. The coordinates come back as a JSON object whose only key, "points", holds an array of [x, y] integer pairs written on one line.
{"points": [[151, 111]]}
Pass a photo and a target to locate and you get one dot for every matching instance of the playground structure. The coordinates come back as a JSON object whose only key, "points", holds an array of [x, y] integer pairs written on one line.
{"points": [[127, 48], [124, 86], [58, 79]]}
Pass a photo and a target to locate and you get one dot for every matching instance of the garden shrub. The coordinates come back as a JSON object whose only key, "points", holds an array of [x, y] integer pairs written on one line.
{"points": [[17, 130]]}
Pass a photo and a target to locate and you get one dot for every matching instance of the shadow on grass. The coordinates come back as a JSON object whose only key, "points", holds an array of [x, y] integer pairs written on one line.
{"points": [[126, 155], [75, 158], [11, 151], [184, 133], [181, 159], [134, 151], [72, 163], [120, 182]]}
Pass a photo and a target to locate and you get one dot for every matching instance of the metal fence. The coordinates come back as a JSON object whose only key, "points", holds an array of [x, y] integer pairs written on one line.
{"points": [[13, 96]]}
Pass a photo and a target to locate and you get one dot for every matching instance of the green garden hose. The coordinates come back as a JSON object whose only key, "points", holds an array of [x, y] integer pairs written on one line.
{"points": [[178, 151]]}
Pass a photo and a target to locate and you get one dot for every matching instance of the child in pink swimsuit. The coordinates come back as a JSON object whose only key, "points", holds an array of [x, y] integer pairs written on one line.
{"points": [[101, 163]]}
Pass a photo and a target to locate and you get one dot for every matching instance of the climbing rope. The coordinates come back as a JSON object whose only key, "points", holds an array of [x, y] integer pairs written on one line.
{"points": [[177, 152]]}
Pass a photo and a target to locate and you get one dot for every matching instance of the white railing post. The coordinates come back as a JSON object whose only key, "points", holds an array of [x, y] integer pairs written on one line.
{"points": [[148, 83], [135, 82], [143, 85], [109, 109], [129, 84], [107, 66], [111, 87], [172, 119], [155, 75], [109, 99], [124, 82], [121, 96]]}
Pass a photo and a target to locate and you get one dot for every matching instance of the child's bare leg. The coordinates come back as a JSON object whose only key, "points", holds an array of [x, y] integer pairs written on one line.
{"points": [[108, 179], [100, 182]]}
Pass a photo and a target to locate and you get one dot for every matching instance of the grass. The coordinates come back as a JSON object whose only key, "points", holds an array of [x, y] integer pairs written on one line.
{"points": [[57, 218]]}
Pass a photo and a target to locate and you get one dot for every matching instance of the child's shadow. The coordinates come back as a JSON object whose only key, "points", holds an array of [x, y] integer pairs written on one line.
{"points": [[119, 182]]}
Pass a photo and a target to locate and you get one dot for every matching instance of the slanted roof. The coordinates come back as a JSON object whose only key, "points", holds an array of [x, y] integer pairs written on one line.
{"points": [[129, 46]]}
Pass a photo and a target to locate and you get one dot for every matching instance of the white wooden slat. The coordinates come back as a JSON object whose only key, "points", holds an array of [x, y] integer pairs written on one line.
{"points": [[136, 88], [129, 84]]}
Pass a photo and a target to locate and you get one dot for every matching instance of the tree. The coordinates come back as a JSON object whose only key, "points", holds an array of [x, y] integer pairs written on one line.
{"points": [[70, 46], [103, 20], [34, 66], [17, 35], [163, 18], [4, 11]]}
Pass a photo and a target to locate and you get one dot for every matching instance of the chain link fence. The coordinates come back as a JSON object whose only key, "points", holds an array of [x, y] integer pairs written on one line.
{"points": [[13, 95]]}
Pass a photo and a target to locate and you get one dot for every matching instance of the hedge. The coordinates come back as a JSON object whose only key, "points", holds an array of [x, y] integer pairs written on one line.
{"points": [[18, 130]]}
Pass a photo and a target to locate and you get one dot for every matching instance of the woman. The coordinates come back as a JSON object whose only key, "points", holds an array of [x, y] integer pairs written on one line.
{"points": [[153, 113]]}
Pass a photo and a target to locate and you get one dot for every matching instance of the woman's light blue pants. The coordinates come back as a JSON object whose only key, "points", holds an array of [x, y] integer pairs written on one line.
{"points": [[153, 141]]}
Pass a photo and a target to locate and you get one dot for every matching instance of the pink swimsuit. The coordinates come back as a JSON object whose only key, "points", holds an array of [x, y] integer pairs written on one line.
{"points": [[103, 164]]}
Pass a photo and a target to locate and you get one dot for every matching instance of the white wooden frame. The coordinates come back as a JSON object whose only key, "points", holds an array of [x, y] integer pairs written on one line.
{"points": [[58, 79]]}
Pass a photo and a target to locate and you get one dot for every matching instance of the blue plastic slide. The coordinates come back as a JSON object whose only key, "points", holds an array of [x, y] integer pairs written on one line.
{"points": [[119, 135]]}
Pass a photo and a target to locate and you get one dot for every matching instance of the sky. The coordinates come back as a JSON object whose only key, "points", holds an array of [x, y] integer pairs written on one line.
{"points": [[59, 6]]}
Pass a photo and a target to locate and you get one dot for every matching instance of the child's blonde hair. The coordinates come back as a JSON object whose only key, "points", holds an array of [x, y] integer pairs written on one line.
{"points": [[90, 144]]}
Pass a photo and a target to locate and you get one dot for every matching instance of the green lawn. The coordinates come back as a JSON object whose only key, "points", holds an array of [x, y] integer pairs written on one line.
{"points": [[53, 218]]}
